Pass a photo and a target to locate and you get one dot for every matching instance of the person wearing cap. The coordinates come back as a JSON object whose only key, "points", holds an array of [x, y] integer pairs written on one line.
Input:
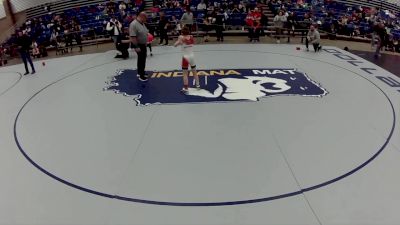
{"points": [[138, 34]]}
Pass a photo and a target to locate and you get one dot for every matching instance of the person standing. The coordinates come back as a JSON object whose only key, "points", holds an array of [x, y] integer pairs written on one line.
{"points": [[263, 22], [138, 35], [279, 23], [187, 42], [381, 38], [114, 27], [76, 33], [219, 24], [163, 25], [290, 24], [24, 43]]}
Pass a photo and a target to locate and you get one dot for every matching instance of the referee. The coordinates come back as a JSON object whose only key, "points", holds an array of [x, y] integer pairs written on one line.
{"points": [[138, 35]]}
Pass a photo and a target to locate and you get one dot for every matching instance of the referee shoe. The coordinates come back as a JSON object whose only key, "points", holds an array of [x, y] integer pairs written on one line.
{"points": [[143, 78]]}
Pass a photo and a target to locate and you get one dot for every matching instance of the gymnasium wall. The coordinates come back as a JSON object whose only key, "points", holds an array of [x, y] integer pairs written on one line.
{"points": [[21, 5], [2, 11]]}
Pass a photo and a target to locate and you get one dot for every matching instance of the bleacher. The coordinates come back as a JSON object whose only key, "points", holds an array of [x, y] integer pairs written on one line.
{"points": [[92, 19], [338, 10], [88, 15], [59, 7]]}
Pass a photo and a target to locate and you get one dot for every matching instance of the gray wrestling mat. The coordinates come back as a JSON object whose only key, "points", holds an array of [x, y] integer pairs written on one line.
{"points": [[275, 136]]}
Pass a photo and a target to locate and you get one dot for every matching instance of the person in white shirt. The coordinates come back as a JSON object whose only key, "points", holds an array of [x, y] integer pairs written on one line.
{"points": [[122, 8], [279, 23], [201, 6], [114, 27], [314, 38]]}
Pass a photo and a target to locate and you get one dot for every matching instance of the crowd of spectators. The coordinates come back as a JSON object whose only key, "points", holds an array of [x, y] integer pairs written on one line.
{"points": [[338, 19], [74, 26], [65, 30]]}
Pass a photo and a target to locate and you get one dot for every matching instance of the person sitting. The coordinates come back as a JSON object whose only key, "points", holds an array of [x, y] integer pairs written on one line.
{"points": [[253, 22], [175, 26], [290, 24], [35, 49], [111, 7], [208, 22], [314, 38], [236, 9], [255, 31]]}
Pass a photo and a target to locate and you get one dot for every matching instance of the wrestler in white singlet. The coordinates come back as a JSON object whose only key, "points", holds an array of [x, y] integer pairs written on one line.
{"points": [[187, 50]]}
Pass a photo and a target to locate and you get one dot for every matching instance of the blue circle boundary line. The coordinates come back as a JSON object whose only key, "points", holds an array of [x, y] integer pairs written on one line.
{"points": [[14, 84], [202, 204]]}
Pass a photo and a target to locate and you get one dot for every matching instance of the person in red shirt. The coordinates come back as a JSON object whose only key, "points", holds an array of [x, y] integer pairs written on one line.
{"points": [[254, 26]]}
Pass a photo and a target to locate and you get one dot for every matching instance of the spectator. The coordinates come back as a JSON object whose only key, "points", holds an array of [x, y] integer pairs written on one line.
{"points": [[122, 9], [291, 23], [208, 22], [202, 6], [175, 26], [187, 19], [253, 22], [279, 22], [24, 43], [163, 25], [111, 7], [263, 22], [68, 37], [313, 37], [332, 32], [123, 43], [35, 49], [114, 28], [76, 34], [304, 25], [186, 3], [220, 19], [381, 38], [241, 7], [129, 18], [236, 9], [255, 31], [2, 56]]}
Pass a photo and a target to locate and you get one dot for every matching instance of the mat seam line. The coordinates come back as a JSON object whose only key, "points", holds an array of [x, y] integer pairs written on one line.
{"points": [[296, 180]]}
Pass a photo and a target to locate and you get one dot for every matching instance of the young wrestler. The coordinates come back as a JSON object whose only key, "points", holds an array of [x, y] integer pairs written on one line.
{"points": [[187, 41]]}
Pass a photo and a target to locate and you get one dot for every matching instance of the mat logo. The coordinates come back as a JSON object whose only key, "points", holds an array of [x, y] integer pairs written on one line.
{"points": [[223, 85]]}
